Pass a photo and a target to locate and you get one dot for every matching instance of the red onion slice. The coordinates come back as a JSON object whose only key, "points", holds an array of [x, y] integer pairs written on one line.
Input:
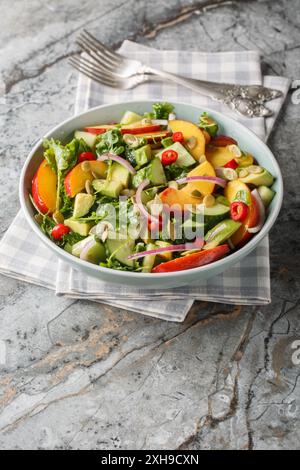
{"points": [[138, 199], [262, 212], [197, 245], [87, 246], [116, 158], [211, 179]]}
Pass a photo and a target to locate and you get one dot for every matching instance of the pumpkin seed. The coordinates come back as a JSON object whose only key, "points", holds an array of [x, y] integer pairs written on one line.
{"points": [[89, 187], [85, 166], [209, 200], [191, 142], [58, 217]]}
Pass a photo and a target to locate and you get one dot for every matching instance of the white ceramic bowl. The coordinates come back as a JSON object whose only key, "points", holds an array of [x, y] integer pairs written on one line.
{"points": [[109, 113]]}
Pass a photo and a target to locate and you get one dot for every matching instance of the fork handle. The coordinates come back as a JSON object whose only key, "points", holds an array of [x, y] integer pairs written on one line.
{"points": [[246, 100], [209, 89]]}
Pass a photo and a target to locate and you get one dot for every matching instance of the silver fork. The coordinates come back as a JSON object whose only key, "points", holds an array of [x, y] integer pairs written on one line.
{"points": [[111, 69]]}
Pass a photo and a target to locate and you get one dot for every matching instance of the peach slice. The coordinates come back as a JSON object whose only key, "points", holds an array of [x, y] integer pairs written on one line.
{"points": [[44, 188], [77, 177], [203, 187], [188, 129], [174, 197], [219, 156], [171, 196]]}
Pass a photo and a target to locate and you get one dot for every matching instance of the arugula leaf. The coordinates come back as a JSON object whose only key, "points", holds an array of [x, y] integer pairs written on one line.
{"points": [[111, 141], [47, 225], [162, 110], [66, 203]]}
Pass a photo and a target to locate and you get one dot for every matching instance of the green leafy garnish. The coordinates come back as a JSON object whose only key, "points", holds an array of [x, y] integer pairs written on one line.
{"points": [[110, 141], [61, 158], [243, 196], [174, 172], [162, 110]]}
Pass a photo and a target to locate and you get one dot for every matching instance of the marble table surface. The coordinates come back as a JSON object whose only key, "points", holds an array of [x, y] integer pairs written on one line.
{"points": [[78, 375]]}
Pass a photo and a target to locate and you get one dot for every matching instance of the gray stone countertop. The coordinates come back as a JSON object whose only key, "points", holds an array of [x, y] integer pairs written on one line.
{"points": [[79, 375]]}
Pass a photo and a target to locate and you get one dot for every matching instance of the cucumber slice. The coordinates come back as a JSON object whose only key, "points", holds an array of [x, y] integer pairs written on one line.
{"points": [[220, 233], [90, 139], [213, 215], [121, 250], [156, 172], [266, 195], [184, 159]]}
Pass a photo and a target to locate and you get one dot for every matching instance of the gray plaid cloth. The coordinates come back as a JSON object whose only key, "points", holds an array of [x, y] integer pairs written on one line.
{"points": [[24, 257]]}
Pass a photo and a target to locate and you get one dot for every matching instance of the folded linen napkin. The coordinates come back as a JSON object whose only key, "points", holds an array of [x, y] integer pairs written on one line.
{"points": [[24, 257]]}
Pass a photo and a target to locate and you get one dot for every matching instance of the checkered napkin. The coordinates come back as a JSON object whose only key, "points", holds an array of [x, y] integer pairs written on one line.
{"points": [[24, 257]]}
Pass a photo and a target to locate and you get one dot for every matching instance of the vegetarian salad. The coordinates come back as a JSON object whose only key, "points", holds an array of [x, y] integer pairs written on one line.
{"points": [[151, 193]]}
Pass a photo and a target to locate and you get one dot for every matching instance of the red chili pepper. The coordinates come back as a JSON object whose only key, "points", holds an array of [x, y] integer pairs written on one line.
{"points": [[59, 231], [86, 156], [232, 164], [238, 211], [168, 157], [223, 141], [154, 226], [178, 137]]}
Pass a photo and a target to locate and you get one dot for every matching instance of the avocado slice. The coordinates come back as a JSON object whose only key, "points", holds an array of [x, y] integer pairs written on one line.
{"points": [[108, 188], [154, 172], [120, 173], [220, 233], [143, 155], [121, 249], [184, 159], [149, 260], [264, 178], [215, 214], [266, 194], [89, 139], [149, 194], [83, 203], [130, 117], [82, 228]]}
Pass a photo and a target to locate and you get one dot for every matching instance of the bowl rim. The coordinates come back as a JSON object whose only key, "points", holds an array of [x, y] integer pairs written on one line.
{"points": [[233, 257]]}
